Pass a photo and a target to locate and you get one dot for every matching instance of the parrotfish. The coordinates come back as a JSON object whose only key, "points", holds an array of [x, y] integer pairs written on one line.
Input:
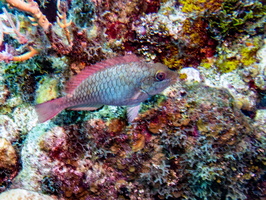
{"points": [[120, 81]]}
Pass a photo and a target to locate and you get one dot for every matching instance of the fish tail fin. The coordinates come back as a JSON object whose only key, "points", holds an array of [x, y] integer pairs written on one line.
{"points": [[49, 109]]}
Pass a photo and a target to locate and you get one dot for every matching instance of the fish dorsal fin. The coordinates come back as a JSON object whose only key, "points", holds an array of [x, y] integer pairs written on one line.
{"points": [[91, 69]]}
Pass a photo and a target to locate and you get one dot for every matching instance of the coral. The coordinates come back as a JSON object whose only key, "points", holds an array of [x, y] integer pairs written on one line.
{"points": [[180, 41], [24, 195], [8, 129], [82, 12], [228, 65], [245, 98], [197, 150], [63, 37], [47, 90], [8, 155], [205, 147], [243, 55], [260, 119], [25, 118], [201, 6], [241, 71], [23, 78], [116, 18], [203, 138], [198, 41], [258, 74], [9, 162], [32, 8], [190, 74], [260, 82], [3, 89], [238, 17]]}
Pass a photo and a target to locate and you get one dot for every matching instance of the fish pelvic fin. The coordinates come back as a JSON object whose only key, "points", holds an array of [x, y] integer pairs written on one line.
{"points": [[49, 109], [132, 112]]}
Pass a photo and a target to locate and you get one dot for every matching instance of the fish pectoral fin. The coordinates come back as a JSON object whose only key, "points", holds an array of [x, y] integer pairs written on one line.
{"points": [[139, 94], [136, 96], [85, 108], [132, 112]]}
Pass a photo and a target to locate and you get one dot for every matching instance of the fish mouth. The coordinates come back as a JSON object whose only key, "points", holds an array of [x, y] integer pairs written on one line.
{"points": [[173, 80]]}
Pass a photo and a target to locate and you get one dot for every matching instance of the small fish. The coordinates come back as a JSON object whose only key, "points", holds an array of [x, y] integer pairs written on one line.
{"points": [[120, 81]]}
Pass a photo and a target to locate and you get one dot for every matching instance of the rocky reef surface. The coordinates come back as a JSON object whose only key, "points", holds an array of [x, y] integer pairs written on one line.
{"points": [[202, 138]]}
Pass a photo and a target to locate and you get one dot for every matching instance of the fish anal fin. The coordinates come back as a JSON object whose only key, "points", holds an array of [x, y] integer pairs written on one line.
{"points": [[132, 112], [91, 69]]}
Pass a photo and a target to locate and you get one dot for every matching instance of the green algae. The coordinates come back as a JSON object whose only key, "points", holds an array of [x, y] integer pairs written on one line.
{"points": [[22, 78], [239, 55], [235, 17], [47, 90]]}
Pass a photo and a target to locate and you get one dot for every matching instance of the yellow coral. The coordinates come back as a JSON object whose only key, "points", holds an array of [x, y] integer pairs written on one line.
{"points": [[206, 64], [248, 55], [228, 65], [172, 63], [47, 90], [201, 5]]}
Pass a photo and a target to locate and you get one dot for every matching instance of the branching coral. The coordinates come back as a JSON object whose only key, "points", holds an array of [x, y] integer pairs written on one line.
{"points": [[14, 30], [11, 28], [62, 19], [52, 33], [32, 8]]}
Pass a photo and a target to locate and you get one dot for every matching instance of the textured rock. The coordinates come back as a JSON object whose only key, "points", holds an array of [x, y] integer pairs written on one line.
{"points": [[168, 151], [8, 163], [8, 155], [34, 162], [21, 194], [260, 119], [8, 129]]}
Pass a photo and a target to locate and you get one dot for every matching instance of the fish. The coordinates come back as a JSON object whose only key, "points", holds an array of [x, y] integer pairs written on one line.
{"points": [[120, 81]]}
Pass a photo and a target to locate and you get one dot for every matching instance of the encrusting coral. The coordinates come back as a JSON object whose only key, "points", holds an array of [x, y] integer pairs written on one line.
{"points": [[203, 138], [21, 194], [205, 147], [9, 162]]}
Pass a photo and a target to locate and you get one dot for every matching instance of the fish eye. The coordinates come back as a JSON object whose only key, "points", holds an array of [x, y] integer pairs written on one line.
{"points": [[160, 76]]}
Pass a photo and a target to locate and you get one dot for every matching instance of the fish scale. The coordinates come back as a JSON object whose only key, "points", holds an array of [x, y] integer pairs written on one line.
{"points": [[120, 81]]}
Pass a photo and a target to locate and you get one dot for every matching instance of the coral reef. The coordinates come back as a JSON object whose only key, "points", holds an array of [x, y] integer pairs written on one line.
{"points": [[239, 55], [203, 138], [260, 119], [235, 17], [9, 162], [47, 90], [187, 151], [9, 129], [201, 6], [24, 195]]}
